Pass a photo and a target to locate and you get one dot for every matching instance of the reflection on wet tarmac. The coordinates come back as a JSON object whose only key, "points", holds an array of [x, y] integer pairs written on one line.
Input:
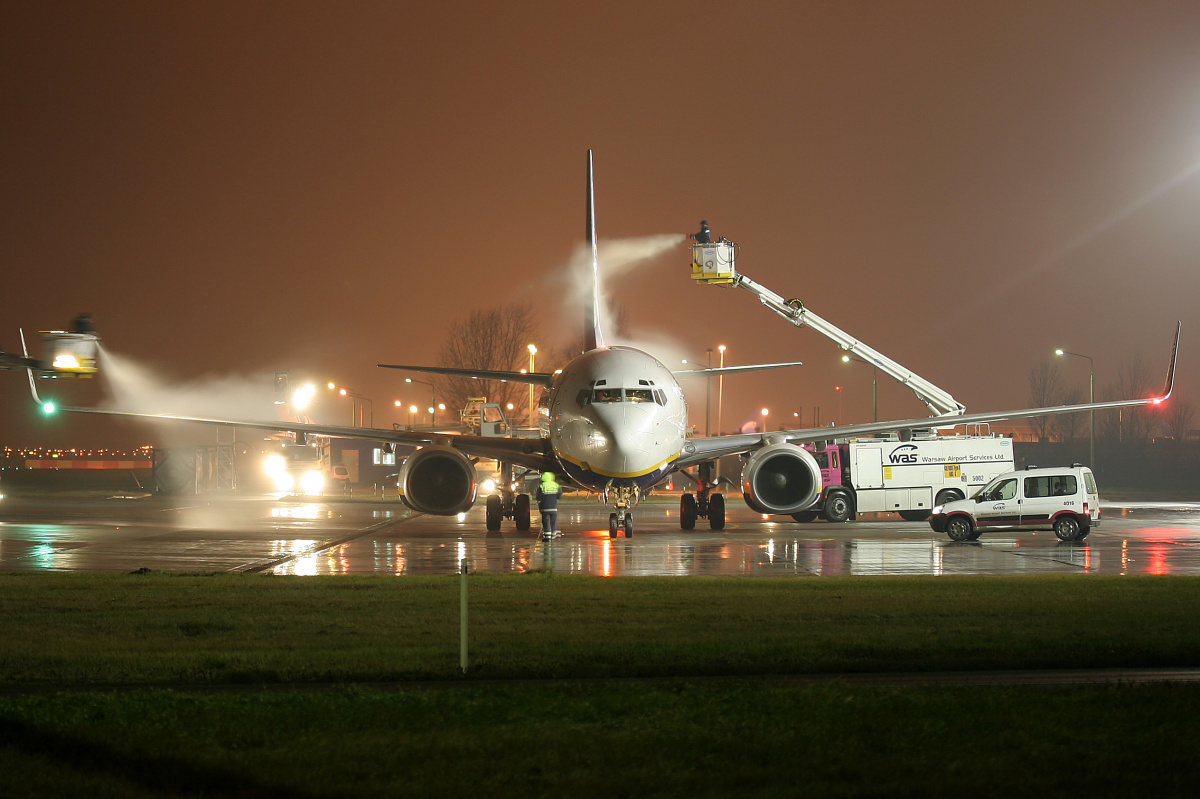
{"points": [[313, 537]]}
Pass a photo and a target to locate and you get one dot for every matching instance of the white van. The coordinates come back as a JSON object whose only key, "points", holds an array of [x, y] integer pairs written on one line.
{"points": [[1063, 499]]}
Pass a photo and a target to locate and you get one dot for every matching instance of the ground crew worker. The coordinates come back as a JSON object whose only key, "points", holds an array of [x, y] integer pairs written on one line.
{"points": [[547, 500]]}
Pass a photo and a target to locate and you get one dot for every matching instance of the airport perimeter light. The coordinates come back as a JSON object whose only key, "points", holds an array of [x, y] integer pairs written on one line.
{"points": [[874, 384], [1092, 399]]}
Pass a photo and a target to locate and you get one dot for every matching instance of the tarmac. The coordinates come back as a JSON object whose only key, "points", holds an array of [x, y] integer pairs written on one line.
{"points": [[334, 535]]}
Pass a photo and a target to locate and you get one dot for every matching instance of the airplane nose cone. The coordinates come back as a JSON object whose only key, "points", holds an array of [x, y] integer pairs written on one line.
{"points": [[619, 442]]}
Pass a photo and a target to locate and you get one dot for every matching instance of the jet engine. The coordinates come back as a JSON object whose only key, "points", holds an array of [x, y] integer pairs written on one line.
{"points": [[781, 478], [438, 480]]}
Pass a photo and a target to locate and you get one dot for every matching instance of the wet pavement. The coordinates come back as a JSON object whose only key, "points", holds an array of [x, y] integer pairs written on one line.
{"points": [[291, 536]]}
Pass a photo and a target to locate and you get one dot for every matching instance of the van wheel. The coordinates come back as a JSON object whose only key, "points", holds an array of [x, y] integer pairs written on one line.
{"points": [[1066, 528], [959, 528], [838, 508]]}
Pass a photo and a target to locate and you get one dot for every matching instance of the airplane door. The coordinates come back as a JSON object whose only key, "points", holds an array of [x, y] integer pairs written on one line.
{"points": [[868, 467], [1000, 507]]}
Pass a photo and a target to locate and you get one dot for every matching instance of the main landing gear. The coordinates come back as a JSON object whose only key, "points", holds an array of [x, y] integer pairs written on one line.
{"points": [[703, 504], [507, 504]]}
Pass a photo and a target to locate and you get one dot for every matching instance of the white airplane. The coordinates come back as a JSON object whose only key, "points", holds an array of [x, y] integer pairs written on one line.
{"points": [[616, 423]]}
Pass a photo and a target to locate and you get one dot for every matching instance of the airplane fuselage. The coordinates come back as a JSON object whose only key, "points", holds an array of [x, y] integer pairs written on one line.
{"points": [[617, 417]]}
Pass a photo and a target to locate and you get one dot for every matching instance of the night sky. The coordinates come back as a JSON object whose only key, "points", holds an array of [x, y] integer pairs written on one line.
{"points": [[235, 188]]}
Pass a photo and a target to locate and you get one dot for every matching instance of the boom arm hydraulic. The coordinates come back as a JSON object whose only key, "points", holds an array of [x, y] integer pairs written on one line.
{"points": [[713, 263]]}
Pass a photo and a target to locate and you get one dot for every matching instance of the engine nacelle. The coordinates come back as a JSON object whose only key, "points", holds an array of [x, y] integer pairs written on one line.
{"points": [[781, 478], [438, 480]]}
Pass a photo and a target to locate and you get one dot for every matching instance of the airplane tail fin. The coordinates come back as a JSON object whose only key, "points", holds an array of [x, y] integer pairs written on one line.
{"points": [[592, 334]]}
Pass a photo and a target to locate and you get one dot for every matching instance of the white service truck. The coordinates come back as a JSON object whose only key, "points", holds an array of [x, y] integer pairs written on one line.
{"points": [[886, 474]]}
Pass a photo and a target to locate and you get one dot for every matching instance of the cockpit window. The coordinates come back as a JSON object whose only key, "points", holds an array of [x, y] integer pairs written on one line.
{"points": [[639, 395], [606, 395]]}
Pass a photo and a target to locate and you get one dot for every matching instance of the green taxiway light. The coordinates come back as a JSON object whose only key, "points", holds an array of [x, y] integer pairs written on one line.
{"points": [[48, 408]]}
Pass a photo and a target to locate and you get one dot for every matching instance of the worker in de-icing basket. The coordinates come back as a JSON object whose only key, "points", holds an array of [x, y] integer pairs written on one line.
{"points": [[547, 499]]}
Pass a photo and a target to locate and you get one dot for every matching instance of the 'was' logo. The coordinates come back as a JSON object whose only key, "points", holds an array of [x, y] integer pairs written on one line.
{"points": [[904, 454]]}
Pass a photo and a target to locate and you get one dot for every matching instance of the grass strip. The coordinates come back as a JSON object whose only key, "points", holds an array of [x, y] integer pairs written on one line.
{"points": [[737, 738], [171, 629]]}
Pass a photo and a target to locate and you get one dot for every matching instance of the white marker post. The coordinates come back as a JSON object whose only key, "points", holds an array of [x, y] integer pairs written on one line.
{"points": [[462, 616]]}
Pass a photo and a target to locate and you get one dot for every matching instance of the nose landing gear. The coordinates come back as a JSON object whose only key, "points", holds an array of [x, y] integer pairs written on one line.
{"points": [[625, 497]]}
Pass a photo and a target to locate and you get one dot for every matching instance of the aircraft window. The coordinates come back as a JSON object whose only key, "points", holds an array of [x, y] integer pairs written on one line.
{"points": [[606, 395], [585, 397], [660, 396], [639, 395]]}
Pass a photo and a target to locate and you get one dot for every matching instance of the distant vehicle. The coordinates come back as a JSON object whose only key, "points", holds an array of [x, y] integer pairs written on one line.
{"points": [[340, 476], [1063, 499]]}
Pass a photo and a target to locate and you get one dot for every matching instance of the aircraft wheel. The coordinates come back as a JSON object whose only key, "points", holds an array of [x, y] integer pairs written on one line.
{"points": [[521, 511], [959, 528], [612, 525], [1066, 528], [838, 508], [629, 525], [915, 515], [494, 513], [687, 512], [716, 511]]}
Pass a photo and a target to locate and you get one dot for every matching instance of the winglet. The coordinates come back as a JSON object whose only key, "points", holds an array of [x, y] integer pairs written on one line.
{"points": [[32, 385], [1170, 386], [593, 335]]}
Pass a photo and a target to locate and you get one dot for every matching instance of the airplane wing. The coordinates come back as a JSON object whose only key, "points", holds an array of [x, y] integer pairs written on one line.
{"points": [[544, 378], [719, 371], [697, 450], [536, 378], [528, 452]]}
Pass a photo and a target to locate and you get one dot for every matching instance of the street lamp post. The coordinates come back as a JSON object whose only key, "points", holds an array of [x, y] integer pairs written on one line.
{"points": [[874, 384], [720, 399], [838, 389], [345, 392], [532, 419], [1091, 399], [720, 388], [707, 388], [432, 398]]}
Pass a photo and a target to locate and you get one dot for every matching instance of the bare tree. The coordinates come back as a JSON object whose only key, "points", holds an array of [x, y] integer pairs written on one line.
{"points": [[1130, 425], [494, 339], [1069, 426], [1177, 418], [1044, 391]]}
